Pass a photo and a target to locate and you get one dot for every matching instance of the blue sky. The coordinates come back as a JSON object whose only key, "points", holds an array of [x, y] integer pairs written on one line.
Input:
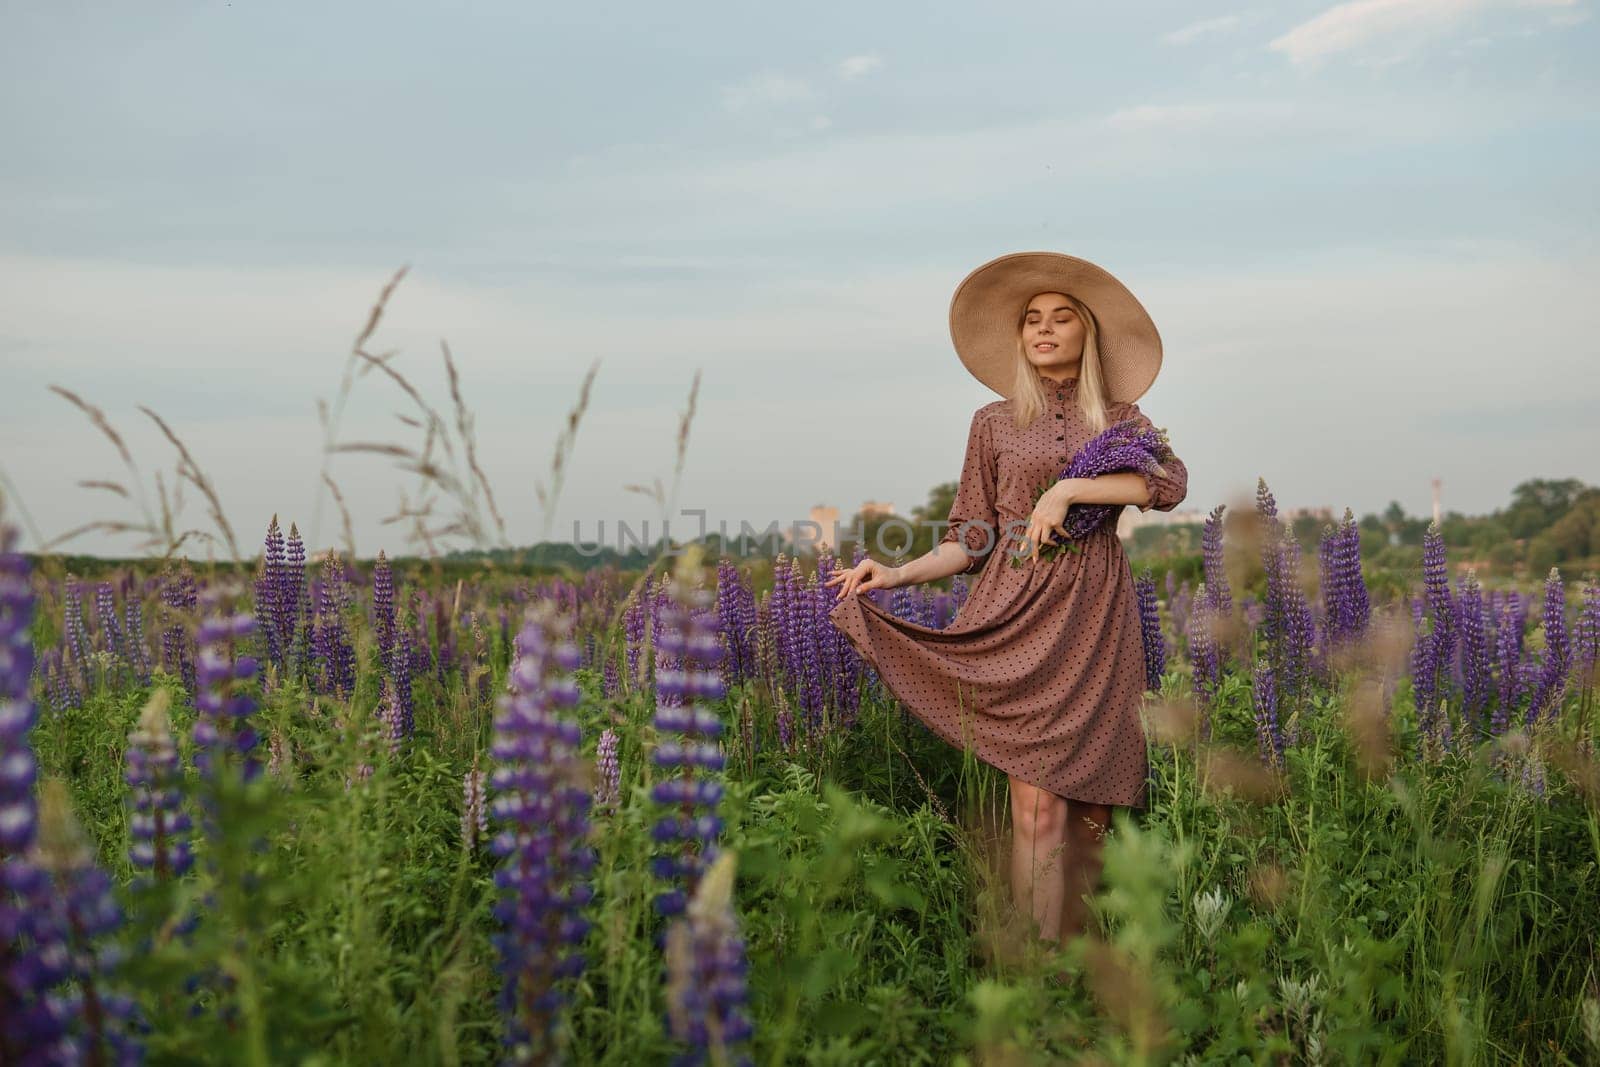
{"points": [[1367, 232]]}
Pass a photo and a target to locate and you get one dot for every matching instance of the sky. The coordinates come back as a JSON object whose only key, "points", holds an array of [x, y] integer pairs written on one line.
{"points": [[1367, 232]]}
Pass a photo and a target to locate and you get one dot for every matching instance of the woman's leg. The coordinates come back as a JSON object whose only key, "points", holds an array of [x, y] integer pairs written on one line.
{"points": [[1038, 824], [1086, 824]]}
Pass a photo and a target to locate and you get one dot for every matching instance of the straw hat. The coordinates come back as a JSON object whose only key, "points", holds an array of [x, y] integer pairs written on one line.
{"points": [[989, 301]]}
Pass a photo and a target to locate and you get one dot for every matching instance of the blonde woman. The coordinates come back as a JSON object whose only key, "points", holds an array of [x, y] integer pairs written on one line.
{"points": [[1041, 674]]}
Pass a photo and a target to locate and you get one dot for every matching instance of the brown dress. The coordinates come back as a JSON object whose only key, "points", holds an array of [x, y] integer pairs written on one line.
{"points": [[1041, 673]]}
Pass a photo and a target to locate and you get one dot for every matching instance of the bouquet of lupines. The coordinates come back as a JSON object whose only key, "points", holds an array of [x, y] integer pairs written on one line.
{"points": [[1122, 446]]}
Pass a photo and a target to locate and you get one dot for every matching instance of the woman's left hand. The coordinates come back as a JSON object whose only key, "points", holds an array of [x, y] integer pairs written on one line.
{"points": [[1049, 516]]}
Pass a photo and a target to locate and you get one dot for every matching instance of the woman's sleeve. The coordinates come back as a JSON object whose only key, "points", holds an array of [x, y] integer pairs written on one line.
{"points": [[1168, 489], [974, 522]]}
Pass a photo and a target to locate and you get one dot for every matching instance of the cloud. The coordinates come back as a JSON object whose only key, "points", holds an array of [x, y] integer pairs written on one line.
{"points": [[853, 67], [1360, 23], [1203, 28], [766, 90], [1175, 116]]}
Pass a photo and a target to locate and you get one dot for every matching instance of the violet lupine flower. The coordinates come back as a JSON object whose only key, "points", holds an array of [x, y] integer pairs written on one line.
{"points": [[33, 955], [399, 667], [1508, 666], [707, 974], [158, 825], [634, 620], [1155, 657], [474, 814], [692, 831], [105, 609], [133, 614], [391, 717], [609, 788], [335, 657], [86, 914], [1288, 626], [1586, 637], [1553, 664], [1344, 593], [294, 603], [736, 607], [611, 679], [269, 587], [18, 768], [543, 803], [1216, 572], [383, 606], [1205, 657], [1269, 733], [223, 735], [179, 597], [1477, 679], [1436, 588], [77, 635]]}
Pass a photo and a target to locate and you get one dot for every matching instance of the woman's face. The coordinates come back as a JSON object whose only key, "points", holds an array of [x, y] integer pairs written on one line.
{"points": [[1052, 334]]}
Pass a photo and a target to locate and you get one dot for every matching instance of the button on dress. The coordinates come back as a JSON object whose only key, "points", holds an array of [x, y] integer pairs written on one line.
{"points": [[1041, 673]]}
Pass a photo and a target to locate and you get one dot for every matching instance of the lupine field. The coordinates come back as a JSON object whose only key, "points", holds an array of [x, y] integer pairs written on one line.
{"points": [[335, 811]]}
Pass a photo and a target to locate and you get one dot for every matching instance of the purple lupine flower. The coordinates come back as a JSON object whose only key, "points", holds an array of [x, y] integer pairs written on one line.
{"points": [[400, 667], [543, 803], [294, 604], [383, 605], [133, 614], [105, 609], [335, 657], [391, 717], [158, 825], [33, 953], [18, 768], [1555, 661], [610, 679], [77, 636], [87, 915], [474, 815], [1357, 601], [688, 728], [1436, 588], [1477, 676], [1155, 659], [1216, 573], [1269, 733], [707, 971], [1586, 637], [269, 587], [179, 597], [609, 788], [1205, 657], [634, 620], [224, 701], [1288, 627], [1508, 665], [736, 605]]}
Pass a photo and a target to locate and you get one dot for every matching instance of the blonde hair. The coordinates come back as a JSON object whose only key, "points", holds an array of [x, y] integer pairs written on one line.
{"points": [[1027, 393]]}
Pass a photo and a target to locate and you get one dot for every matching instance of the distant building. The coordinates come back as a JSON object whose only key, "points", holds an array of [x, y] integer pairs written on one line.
{"points": [[870, 508]]}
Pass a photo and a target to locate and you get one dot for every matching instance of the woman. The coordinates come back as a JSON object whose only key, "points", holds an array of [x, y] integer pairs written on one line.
{"points": [[1041, 673]]}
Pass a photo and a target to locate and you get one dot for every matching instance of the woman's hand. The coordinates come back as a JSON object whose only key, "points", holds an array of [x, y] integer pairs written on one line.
{"points": [[1049, 516], [868, 574]]}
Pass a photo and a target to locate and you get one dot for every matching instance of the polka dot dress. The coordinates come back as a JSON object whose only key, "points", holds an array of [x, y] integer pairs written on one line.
{"points": [[1041, 673]]}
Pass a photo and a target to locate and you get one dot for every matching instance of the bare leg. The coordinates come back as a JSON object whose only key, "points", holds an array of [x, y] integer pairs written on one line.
{"points": [[1038, 823], [1086, 823]]}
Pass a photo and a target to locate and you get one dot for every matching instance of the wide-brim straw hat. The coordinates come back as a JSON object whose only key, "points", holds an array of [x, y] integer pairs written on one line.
{"points": [[988, 304]]}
